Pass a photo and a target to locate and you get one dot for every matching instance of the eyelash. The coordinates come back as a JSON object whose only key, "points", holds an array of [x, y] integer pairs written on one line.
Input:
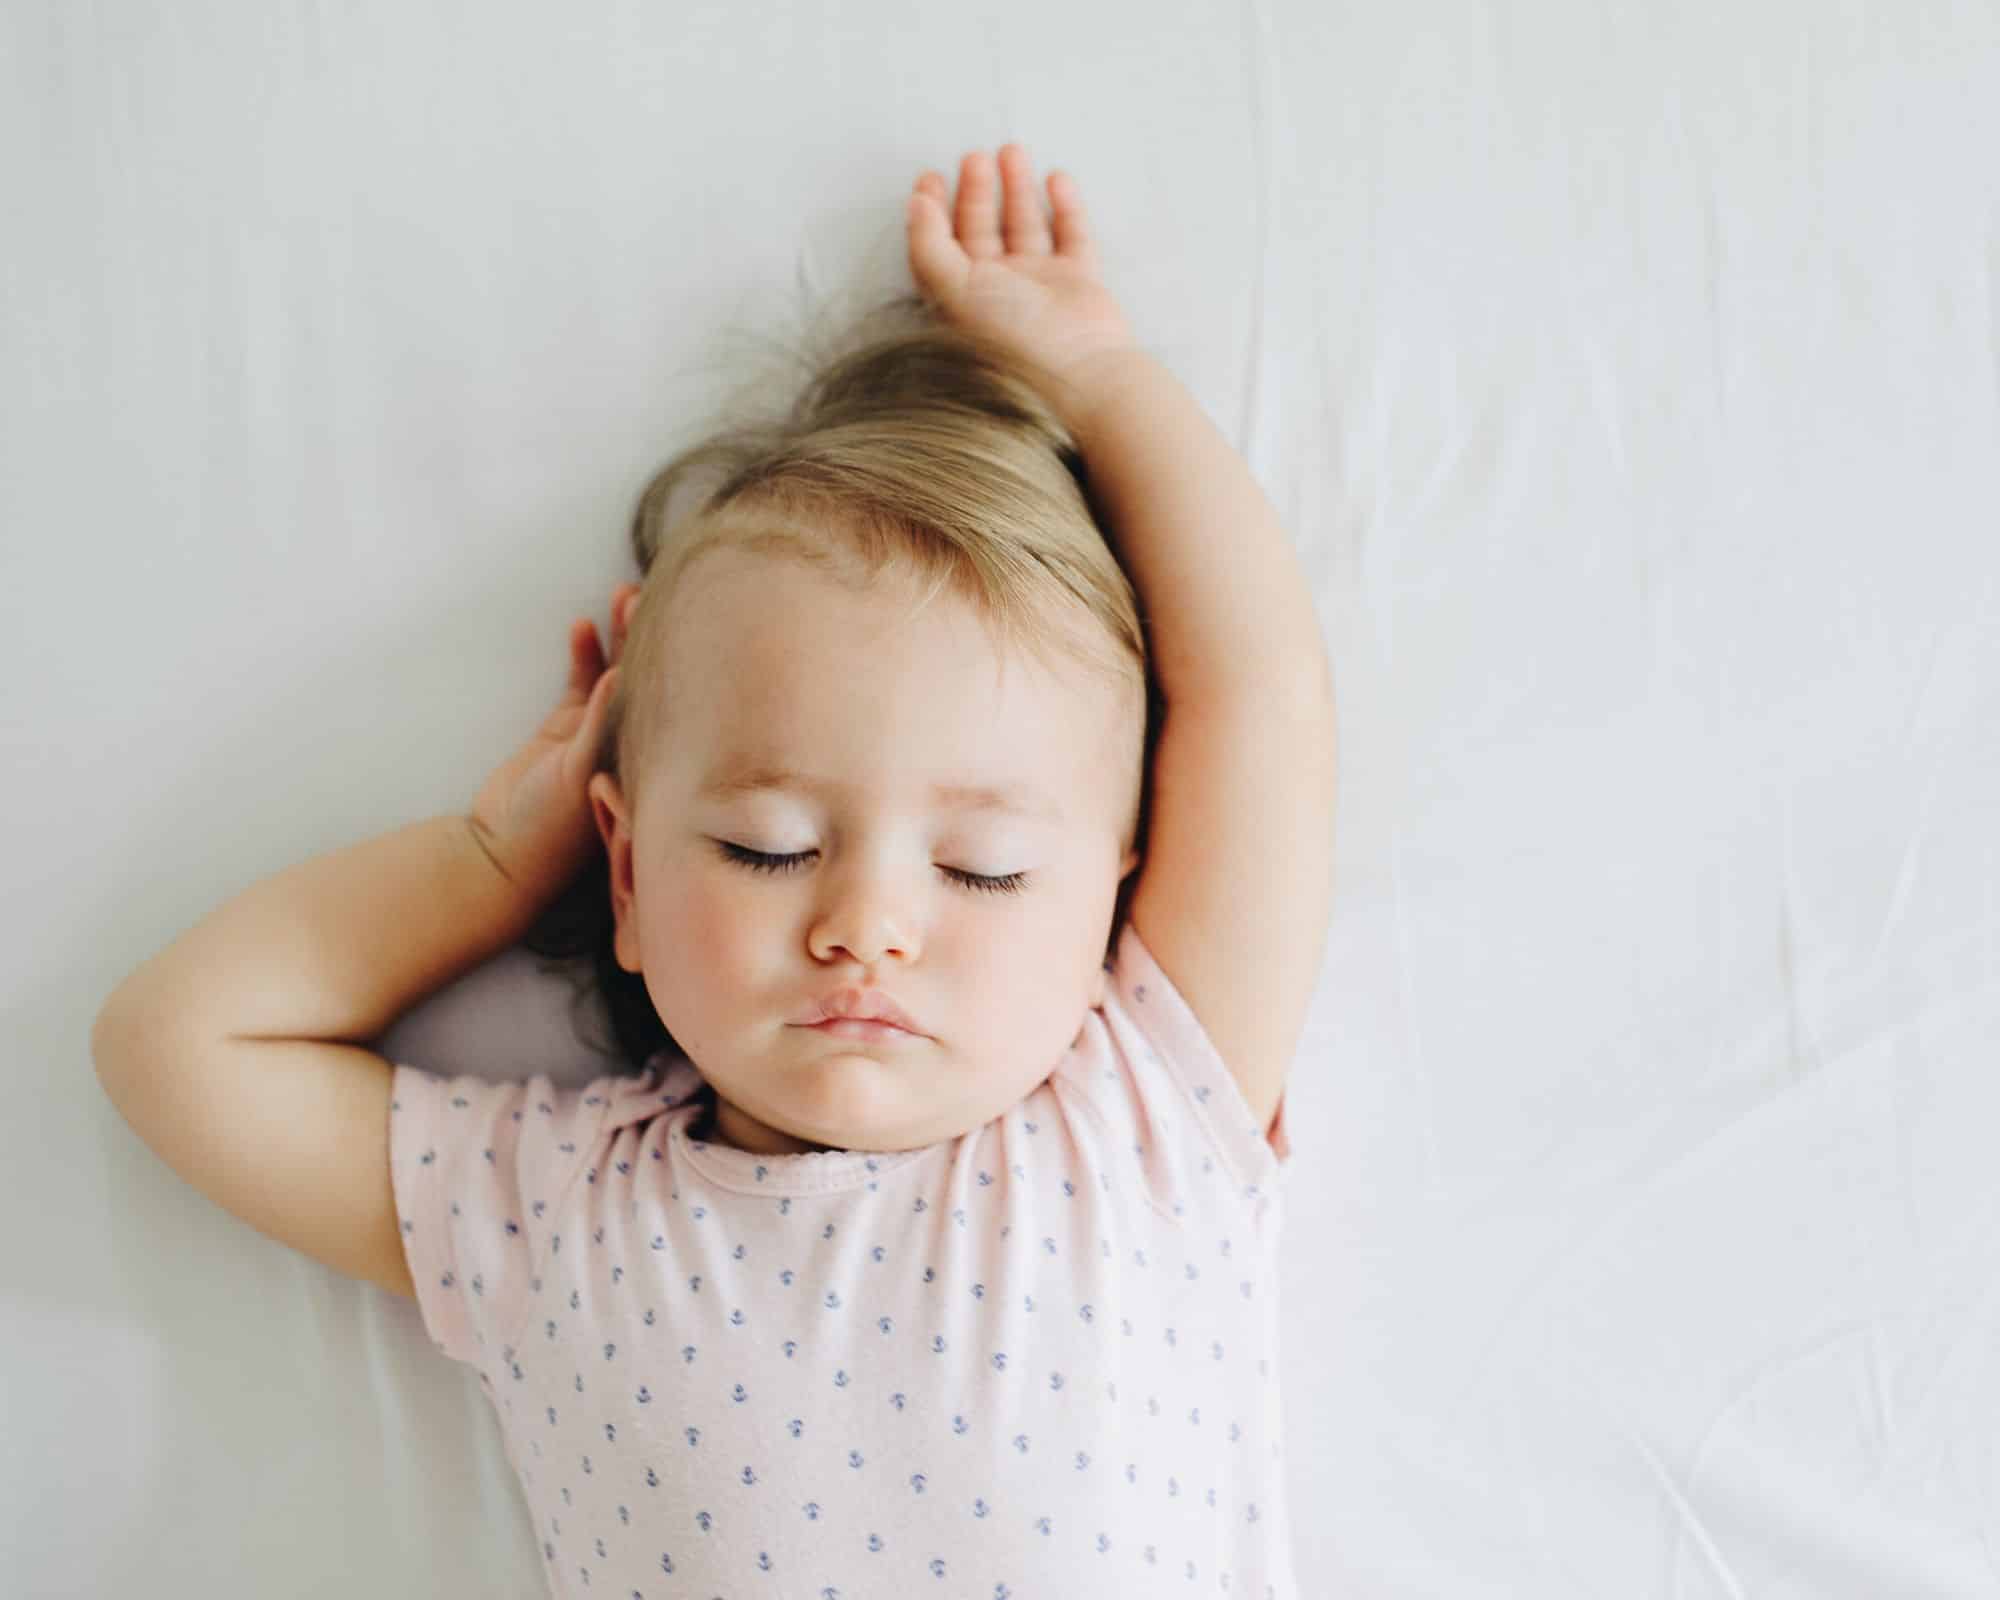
{"points": [[759, 861]]}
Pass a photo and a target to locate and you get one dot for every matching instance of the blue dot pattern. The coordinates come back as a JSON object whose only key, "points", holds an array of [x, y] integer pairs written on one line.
{"points": [[1036, 1360]]}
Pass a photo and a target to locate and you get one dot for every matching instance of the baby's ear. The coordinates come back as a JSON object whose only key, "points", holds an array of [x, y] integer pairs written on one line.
{"points": [[614, 827]]}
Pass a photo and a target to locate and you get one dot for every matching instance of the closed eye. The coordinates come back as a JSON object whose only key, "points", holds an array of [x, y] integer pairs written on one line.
{"points": [[760, 861]]}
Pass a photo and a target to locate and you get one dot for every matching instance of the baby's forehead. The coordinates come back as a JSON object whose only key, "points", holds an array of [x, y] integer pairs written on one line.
{"points": [[752, 623], [740, 771], [775, 667]]}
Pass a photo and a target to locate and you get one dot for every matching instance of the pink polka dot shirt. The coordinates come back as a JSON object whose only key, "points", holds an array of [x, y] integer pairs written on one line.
{"points": [[1039, 1359]]}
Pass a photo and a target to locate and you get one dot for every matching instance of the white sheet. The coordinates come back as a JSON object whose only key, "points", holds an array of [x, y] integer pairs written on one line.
{"points": [[1628, 378]]}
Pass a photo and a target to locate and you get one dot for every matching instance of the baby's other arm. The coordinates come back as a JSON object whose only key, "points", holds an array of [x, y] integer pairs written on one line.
{"points": [[1236, 889], [241, 1053], [1234, 894]]}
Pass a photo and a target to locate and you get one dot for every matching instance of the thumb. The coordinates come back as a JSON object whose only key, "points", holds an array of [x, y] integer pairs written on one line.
{"points": [[937, 261]]}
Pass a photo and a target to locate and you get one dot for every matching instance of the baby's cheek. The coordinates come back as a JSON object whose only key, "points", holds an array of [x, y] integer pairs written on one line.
{"points": [[690, 950], [676, 917], [709, 933]]}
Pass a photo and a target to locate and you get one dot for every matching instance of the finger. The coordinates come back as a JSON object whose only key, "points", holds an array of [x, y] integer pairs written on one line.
{"points": [[580, 756], [978, 215], [1027, 229], [586, 660], [598, 714], [936, 261], [624, 601], [1072, 228], [600, 704]]}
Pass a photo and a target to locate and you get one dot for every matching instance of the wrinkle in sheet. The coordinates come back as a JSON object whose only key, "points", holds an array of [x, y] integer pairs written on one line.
{"points": [[1687, 1519], [1906, 866], [1799, 1054], [1692, 1529], [1711, 256], [1951, 1386], [1782, 1508], [1605, 405]]}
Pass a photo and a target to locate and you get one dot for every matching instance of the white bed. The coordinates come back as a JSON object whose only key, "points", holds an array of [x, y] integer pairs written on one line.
{"points": [[1629, 377]]}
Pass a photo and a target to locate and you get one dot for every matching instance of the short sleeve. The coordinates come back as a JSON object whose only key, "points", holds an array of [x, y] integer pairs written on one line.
{"points": [[1162, 1017], [479, 1172]]}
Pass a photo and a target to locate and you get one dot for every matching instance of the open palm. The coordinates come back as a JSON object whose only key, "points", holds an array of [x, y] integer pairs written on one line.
{"points": [[995, 264]]}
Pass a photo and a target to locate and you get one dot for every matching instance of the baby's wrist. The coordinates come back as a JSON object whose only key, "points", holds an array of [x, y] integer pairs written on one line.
{"points": [[1089, 387], [511, 894]]}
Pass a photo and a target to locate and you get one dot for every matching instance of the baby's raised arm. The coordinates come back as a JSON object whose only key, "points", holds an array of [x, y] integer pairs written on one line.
{"points": [[1234, 895]]}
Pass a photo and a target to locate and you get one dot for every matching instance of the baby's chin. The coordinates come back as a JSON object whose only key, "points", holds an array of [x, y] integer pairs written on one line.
{"points": [[852, 1099], [832, 1099]]}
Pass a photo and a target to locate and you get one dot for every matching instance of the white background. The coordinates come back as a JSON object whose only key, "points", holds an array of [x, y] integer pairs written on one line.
{"points": [[1628, 377]]}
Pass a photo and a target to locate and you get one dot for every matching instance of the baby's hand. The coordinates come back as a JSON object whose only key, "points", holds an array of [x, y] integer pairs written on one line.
{"points": [[533, 816], [992, 267]]}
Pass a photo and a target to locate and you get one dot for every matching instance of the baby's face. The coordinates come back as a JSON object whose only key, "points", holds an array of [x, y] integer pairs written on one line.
{"points": [[781, 668]]}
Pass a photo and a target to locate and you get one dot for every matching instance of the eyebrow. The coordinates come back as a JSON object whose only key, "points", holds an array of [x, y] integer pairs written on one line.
{"points": [[952, 796]]}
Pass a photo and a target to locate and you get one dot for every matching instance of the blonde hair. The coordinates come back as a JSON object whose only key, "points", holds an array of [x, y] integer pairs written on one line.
{"points": [[915, 447], [912, 446]]}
